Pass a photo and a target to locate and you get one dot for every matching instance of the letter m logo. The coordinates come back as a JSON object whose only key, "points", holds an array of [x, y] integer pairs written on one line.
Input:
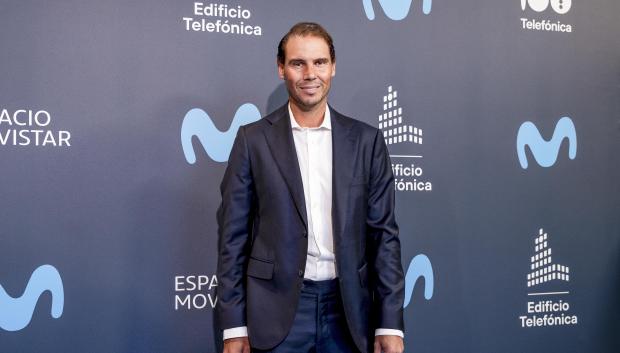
{"points": [[419, 267], [16, 313], [395, 9], [216, 143], [546, 152]]}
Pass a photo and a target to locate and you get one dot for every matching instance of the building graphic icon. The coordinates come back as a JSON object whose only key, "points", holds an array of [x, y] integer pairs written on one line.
{"points": [[391, 122], [542, 267]]}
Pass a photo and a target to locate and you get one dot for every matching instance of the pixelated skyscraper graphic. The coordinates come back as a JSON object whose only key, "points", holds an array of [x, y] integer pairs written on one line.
{"points": [[391, 122], [543, 268]]}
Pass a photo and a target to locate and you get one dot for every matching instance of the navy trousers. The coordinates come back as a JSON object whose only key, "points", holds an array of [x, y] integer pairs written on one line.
{"points": [[320, 325]]}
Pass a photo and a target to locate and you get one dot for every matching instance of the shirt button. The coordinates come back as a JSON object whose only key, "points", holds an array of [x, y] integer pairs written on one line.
{"points": [[301, 273]]}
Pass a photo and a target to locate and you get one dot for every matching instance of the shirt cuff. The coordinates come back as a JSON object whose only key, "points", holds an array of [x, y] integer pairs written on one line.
{"points": [[389, 332], [235, 332]]}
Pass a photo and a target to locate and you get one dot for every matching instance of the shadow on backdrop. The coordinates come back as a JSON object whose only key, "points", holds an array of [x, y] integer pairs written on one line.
{"points": [[277, 98]]}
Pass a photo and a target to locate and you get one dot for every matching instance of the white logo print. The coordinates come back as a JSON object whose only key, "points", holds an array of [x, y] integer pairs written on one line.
{"points": [[401, 136], [546, 24], [391, 122], [546, 308], [543, 268], [559, 6]]}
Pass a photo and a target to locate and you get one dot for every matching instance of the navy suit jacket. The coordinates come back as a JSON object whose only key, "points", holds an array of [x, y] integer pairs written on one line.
{"points": [[263, 236]]}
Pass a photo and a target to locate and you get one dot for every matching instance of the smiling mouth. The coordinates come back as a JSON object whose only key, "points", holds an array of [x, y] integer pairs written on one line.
{"points": [[309, 89]]}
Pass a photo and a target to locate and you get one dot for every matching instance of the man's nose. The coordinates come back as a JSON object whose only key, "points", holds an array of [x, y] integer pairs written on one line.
{"points": [[309, 73]]}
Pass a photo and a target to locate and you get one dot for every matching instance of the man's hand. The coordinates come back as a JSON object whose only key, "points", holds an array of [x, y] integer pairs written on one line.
{"points": [[389, 344], [237, 345]]}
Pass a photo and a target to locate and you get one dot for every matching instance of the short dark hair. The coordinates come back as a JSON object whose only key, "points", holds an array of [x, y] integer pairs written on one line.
{"points": [[303, 29]]}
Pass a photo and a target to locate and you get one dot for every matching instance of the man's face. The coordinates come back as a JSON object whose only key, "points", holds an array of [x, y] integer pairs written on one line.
{"points": [[307, 71]]}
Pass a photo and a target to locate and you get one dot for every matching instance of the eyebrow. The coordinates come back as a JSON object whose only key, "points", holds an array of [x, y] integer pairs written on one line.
{"points": [[296, 60]]}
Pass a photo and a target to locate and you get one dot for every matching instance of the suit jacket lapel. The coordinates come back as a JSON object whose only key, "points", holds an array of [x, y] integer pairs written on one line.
{"points": [[344, 151], [280, 141]]}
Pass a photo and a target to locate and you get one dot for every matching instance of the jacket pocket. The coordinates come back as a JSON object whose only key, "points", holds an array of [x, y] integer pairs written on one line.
{"points": [[363, 273], [258, 268]]}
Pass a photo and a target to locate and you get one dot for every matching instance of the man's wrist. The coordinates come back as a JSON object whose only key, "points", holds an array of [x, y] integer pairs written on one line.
{"points": [[389, 332], [241, 331]]}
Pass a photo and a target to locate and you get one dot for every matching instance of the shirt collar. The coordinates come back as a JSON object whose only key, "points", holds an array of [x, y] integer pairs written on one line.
{"points": [[326, 124]]}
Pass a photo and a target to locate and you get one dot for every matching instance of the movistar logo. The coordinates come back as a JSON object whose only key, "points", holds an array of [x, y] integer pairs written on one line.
{"points": [[420, 267], [16, 313], [546, 152], [395, 9], [216, 143], [559, 6]]}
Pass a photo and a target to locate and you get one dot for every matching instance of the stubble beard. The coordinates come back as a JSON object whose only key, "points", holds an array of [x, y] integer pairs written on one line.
{"points": [[308, 106]]}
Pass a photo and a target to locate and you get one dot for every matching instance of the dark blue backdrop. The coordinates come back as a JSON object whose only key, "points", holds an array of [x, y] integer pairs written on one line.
{"points": [[116, 120]]}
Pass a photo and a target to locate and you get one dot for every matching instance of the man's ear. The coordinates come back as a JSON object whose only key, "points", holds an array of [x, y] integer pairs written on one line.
{"points": [[280, 69], [334, 70]]}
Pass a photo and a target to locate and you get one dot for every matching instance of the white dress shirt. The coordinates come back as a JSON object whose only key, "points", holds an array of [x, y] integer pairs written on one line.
{"points": [[314, 154]]}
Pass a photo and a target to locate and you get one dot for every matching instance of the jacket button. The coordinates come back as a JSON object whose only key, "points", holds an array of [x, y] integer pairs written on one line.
{"points": [[301, 273], [304, 234]]}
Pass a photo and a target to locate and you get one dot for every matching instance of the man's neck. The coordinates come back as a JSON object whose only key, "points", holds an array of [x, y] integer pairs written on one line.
{"points": [[309, 118]]}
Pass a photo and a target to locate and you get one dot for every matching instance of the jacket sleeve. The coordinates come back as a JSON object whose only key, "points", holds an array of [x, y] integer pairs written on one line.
{"points": [[234, 217], [387, 277]]}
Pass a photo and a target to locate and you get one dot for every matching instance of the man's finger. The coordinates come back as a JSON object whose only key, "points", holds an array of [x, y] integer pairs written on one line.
{"points": [[246, 348], [377, 347]]}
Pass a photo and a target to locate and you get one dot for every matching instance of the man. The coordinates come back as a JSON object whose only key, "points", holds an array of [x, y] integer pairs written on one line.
{"points": [[309, 255]]}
